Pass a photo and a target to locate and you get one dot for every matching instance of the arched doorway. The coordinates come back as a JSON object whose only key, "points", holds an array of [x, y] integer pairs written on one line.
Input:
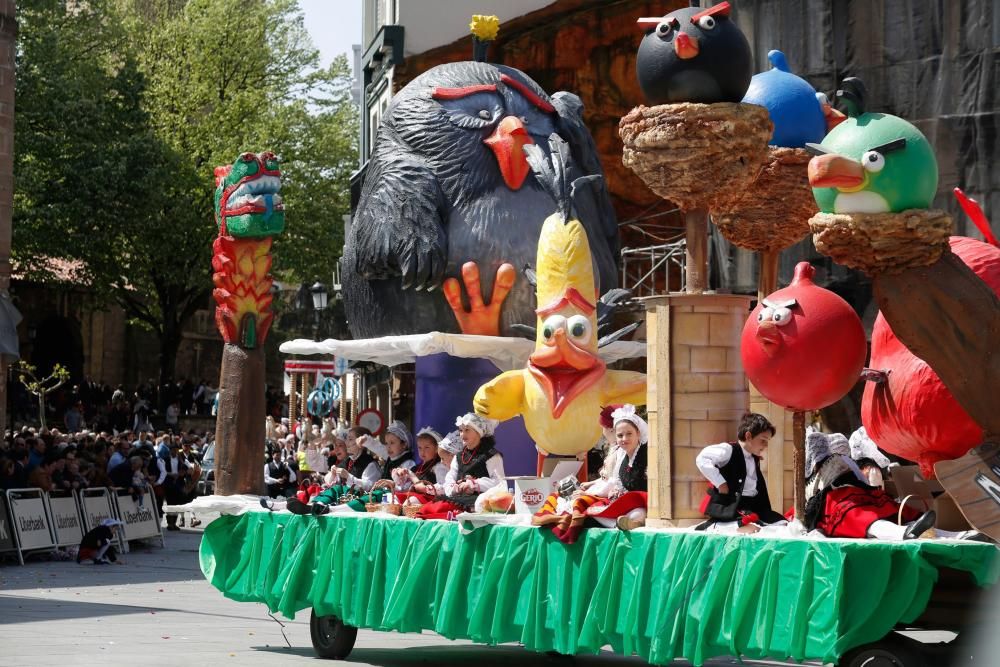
{"points": [[58, 341]]}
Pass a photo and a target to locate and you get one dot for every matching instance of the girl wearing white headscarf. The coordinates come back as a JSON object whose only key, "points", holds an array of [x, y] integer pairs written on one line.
{"points": [[841, 503], [618, 496], [477, 468], [422, 478]]}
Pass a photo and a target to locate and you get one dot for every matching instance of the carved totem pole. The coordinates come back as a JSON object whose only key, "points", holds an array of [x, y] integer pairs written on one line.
{"points": [[249, 212]]}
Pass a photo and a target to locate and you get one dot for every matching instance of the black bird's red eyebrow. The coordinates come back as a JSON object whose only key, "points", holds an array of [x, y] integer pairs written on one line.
{"points": [[527, 92], [721, 9], [465, 91]]}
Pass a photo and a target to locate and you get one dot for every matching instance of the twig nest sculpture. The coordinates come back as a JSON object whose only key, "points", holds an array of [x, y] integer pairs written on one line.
{"points": [[695, 154], [773, 213], [878, 243]]}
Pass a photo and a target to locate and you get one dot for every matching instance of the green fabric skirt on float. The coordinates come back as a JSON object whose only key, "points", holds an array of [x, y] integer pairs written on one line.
{"points": [[660, 595]]}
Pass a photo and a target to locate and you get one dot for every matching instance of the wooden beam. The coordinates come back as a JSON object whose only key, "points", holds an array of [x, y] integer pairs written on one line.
{"points": [[696, 256]]}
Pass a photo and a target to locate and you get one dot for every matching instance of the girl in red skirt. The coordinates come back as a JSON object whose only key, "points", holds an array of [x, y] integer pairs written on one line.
{"points": [[841, 503], [477, 468], [617, 497]]}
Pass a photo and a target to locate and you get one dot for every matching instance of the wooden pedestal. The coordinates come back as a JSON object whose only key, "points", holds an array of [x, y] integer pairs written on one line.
{"points": [[696, 397]]}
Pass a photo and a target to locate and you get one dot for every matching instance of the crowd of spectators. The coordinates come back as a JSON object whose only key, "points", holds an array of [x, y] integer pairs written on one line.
{"points": [[53, 460]]}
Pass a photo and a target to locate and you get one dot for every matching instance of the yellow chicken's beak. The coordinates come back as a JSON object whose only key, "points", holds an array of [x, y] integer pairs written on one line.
{"points": [[564, 370]]}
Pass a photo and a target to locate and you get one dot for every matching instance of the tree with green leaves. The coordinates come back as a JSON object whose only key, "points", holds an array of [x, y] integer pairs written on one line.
{"points": [[40, 387], [124, 109]]}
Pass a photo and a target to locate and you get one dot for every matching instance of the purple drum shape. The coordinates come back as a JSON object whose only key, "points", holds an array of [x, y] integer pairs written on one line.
{"points": [[446, 386]]}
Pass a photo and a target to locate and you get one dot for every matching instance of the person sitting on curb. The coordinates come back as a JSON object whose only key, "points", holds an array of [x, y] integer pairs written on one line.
{"points": [[98, 544]]}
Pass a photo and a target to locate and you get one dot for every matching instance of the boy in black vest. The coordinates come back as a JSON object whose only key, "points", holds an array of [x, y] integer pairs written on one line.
{"points": [[733, 468]]}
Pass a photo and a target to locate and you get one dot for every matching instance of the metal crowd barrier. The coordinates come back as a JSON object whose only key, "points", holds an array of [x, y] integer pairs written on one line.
{"points": [[29, 518], [34, 520], [141, 521]]}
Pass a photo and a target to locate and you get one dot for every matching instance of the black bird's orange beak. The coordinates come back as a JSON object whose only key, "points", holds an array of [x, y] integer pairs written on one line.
{"points": [[685, 46], [507, 143]]}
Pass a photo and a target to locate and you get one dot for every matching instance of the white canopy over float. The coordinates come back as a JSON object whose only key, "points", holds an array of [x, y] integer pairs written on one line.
{"points": [[506, 353]]}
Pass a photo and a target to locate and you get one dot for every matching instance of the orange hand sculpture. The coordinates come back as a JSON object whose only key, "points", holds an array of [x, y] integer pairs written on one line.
{"points": [[480, 319]]}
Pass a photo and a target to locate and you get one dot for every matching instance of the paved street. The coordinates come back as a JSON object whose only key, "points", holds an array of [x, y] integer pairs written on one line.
{"points": [[157, 609]]}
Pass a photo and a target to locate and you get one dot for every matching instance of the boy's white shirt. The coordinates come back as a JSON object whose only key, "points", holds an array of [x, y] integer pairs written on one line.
{"points": [[713, 457]]}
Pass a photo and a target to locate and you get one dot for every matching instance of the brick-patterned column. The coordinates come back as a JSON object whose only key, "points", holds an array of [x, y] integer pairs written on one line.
{"points": [[697, 394], [8, 34]]}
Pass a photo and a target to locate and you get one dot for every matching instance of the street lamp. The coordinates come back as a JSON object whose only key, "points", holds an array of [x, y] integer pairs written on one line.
{"points": [[319, 295]]}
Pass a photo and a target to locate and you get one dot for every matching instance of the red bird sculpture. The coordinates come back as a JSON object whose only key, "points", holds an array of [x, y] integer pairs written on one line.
{"points": [[909, 412], [803, 347]]}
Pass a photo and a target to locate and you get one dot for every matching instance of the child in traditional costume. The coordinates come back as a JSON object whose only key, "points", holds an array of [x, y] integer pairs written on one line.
{"points": [[617, 497], [358, 476], [477, 468], [840, 502], [396, 453], [362, 470], [98, 544], [417, 484], [738, 491]]}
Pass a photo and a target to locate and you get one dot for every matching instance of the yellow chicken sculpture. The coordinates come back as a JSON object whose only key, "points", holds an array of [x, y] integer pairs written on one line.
{"points": [[565, 384]]}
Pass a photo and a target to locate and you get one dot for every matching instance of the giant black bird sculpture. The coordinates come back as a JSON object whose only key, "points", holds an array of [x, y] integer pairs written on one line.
{"points": [[694, 55], [447, 183]]}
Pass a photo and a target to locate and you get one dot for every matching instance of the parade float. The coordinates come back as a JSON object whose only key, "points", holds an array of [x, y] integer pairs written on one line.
{"points": [[665, 592]]}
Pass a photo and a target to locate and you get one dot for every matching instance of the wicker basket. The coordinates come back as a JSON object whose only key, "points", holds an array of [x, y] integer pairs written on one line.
{"points": [[882, 242], [696, 155], [392, 507], [773, 213], [411, 510]]}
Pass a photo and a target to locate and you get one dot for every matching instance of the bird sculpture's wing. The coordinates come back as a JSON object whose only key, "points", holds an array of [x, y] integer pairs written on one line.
{"points": [[398, 229], [593, 202], [623, 387], [501, 398]]}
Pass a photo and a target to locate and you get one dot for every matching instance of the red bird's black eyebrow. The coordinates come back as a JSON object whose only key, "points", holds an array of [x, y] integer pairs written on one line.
{"points": [[721, 9], [465, 91], [527, 92]]}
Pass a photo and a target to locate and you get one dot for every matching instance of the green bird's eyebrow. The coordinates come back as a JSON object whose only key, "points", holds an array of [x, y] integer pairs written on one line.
{"points": [[894, 145]]}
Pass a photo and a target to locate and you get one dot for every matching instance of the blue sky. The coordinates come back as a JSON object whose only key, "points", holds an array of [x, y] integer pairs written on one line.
{"points": [[333, 25]]}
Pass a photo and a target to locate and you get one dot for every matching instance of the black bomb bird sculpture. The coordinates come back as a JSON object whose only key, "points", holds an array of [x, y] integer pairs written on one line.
{"points": [[448, 184], [693, 55]]}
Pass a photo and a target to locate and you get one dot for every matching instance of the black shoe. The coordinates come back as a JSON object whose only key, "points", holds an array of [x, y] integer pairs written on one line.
{"points": [[173, 526], [320, 508], [267, 504], [923, 523], [296, 506]]}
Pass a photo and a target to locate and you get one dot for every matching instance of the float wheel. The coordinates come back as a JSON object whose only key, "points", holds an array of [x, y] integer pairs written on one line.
{"points": [[885, 653], [331, 638]]}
